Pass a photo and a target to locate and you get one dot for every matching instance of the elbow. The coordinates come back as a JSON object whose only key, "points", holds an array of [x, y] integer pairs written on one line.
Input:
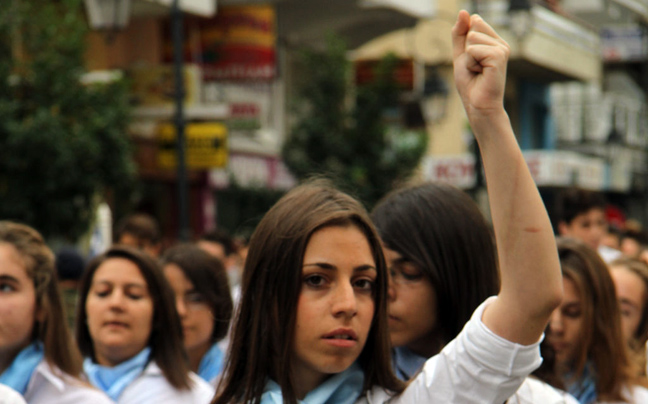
{"points": [[553, 299]]}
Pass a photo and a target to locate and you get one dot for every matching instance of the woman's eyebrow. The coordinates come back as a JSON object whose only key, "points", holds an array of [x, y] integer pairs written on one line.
{"points": [[327, 266], [5, 277]]}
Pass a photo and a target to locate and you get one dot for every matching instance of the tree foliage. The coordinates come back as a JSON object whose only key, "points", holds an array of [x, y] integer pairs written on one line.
{"points": [[62, 143], [341, 131]]}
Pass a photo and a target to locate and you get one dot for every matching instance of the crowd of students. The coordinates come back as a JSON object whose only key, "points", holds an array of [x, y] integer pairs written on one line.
{"points": [[418, 301]]}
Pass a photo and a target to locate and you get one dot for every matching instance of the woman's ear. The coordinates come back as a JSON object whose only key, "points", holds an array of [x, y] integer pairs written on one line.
{"points": [[563, 228]]}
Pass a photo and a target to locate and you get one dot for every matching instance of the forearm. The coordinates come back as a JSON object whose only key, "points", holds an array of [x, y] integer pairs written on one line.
{"points": [[531, 285]]}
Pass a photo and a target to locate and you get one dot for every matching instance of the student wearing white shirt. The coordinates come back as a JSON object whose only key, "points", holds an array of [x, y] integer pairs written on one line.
{"points": [[204, 303], [591, 354], [442, 263], [130, 333], [37, 356], [10, 396], [312, 324]]}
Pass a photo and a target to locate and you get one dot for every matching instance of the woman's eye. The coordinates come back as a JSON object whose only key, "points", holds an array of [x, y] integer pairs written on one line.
{"points": [[412, 276], [194, 297], [315, 280], [365, 284], [102, 293], [5, 287], [573, 314]]}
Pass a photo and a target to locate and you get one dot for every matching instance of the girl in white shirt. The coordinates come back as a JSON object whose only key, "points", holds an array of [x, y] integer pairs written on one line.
{"points": [[37, 355], [312, 324], [204, 303], [443, 264], [130, 333], [585, 332]]}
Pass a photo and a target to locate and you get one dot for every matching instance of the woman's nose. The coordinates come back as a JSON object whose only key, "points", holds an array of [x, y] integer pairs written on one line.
{"points": [[344, 301]]}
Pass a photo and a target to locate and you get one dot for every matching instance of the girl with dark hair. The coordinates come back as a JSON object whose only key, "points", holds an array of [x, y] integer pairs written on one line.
{"points": [[630, 277], [129, 331], [442, 260], [204, 304], [38, 358], [585, 332], [312, 324]]}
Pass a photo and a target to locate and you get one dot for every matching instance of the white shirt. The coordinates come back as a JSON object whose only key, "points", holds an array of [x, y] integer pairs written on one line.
{"points": [[10, 396], [633, 395], [50, 385], [534, 391], [608, 254], [152, 387], [476, 367]]}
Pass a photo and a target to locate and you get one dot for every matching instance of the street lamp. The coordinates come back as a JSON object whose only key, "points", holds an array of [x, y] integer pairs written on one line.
{"points": [[108, 15], [520, 18], [435, 98]]}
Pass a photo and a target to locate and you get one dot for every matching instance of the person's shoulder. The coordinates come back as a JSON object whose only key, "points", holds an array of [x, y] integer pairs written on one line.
{"points": [[10, 396], [52, 386], [152, 386]]}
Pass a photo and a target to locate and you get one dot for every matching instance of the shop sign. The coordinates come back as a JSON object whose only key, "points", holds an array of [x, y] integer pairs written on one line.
{"points": [[155, 85], [239, 43], [547, 167], [205, 145], [250, 170], [552, 168], [457, 170], [624, 43]]}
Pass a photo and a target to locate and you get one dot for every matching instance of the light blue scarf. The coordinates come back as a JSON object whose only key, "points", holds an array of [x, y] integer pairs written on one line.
{"points": [[211, 364], [406, 363], [18, 374], [113, 380], [343, 388], [583, 388]]}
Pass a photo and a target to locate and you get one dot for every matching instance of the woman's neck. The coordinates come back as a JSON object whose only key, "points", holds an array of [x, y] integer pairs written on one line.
{"points": [[196, 355], [7, 357], [427, 347]]}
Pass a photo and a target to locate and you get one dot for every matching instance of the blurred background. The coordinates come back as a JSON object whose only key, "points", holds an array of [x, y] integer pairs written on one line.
{"points": [[97, 97]]}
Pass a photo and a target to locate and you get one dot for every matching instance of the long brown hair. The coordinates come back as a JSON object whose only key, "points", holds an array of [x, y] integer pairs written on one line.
{"points": [[264, 330], [441, 230], [52, 330], [602, 339], [207, 274], [165, 341]]}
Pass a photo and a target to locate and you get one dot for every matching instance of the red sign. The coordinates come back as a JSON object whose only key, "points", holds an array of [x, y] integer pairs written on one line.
{"points": [[237, 44]]}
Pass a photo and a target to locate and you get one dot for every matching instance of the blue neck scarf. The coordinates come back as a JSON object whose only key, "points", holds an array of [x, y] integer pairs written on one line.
{"points": [[584, 387], [343, 388], [211, 364], [406, 363], [113, 380], [18, 374]]}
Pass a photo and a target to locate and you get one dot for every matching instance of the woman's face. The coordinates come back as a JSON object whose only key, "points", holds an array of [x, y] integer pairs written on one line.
{"points": [[120, 311], [631, 293], [336, 304], [17, 305], [566, 325], [412, 306], [197, 319]]}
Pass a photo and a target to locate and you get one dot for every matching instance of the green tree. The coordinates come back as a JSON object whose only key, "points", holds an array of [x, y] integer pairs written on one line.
{"points": [[351, 142], [62, 142]]}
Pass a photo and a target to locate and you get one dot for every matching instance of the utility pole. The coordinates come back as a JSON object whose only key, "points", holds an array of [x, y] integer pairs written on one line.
{"points": [[178, 55]]}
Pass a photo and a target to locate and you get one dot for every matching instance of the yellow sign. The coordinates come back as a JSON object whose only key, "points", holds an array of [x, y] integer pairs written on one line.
{"points": [[205, 145]]}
